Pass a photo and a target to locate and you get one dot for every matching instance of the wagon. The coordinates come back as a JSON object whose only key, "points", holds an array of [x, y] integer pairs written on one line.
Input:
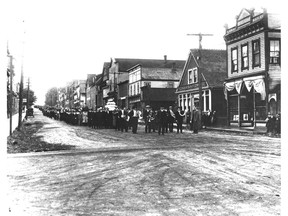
{"points": [[29, 112]]}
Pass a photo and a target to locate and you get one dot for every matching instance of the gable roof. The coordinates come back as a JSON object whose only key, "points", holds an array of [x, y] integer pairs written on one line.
{"points": [[212, 64], [126, 63]]}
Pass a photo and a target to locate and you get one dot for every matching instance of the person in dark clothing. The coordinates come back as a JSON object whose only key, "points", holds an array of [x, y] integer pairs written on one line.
{"points": [[195, 120], [123, 124], [149, 117], [278, 124], [134, 116], [161, 120], [179, 115], [270, 124]]}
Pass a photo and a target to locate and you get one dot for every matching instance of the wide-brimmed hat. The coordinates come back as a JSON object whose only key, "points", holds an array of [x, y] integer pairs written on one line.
{"points": [[148, 106]]}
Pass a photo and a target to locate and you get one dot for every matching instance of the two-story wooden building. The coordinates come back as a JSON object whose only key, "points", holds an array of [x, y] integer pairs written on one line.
{"points": [[153, 82], [211, 66], [253, 85], [121, 86]]}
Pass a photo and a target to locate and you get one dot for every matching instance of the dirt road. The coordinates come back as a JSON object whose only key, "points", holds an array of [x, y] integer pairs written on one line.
{"points": [[114, 173]]}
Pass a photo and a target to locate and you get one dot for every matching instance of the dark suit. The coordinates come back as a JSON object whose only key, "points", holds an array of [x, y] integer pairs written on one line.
{"points": [[122, 117], [134, 116], [171, 119], [196, 121], [162, 120]]}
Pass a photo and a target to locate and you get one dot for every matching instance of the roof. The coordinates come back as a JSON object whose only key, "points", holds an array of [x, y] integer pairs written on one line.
{"points": [[212, 64], [126, 63], [161, 73]]}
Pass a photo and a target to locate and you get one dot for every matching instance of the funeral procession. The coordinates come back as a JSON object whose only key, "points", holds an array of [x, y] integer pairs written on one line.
{"points": [[143, 109]]}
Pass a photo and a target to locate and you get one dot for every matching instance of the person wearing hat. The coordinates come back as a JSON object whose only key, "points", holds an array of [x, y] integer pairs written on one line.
{"points": [[196, 124], [134, 115], [123, 114], [270, 124], [148, 116], [161, 120]]}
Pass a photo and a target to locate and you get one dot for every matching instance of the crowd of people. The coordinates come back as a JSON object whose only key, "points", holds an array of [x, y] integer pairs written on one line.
{"points": [[161, 120]]}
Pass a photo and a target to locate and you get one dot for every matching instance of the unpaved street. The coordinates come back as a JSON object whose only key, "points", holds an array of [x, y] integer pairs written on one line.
{"points": [[114, 173]]}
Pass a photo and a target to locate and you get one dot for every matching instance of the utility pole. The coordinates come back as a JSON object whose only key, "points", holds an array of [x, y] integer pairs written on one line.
{"points": [[21, 87], [28, 90], [11, 93], [20, 98], [200, 35]]}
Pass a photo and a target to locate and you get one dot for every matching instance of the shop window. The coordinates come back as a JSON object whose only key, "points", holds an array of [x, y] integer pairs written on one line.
{"points": [[275, 52], [256, 53], [233, 107], [260, 107]]}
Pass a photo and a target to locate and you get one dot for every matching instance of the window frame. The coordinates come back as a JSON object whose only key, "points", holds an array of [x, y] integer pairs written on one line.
{"points": [[233, 60], [279, 51], [191, 73], [256, 53], [243, 57]]}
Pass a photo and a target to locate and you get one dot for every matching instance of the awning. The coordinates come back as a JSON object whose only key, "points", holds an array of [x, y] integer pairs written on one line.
{"points": [[257, 82]]}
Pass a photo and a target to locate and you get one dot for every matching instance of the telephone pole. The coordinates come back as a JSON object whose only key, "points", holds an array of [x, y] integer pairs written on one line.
{"points": [[11, 93], [28, 90], [200, 35], [21, 87]]}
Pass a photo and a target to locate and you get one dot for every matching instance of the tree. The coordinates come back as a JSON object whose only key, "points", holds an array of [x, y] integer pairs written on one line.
{"points": [[51, 97], [32, 97]]}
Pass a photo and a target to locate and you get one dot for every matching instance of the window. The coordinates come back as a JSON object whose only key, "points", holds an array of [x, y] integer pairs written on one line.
{"points": [[244, 57], [234, 60], [274, 51], [192, 76], [256, 53]]}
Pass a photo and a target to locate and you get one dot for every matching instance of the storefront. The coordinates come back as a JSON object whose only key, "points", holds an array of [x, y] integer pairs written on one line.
{"points": [[188, 100], [247, 101]]}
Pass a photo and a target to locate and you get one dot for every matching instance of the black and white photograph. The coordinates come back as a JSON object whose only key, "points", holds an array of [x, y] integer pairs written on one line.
{"points": [[143, 108]]}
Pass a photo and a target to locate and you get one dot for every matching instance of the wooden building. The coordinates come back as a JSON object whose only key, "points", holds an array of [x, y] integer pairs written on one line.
{"points": [[153, 82], [253, 85], [210, 66]]}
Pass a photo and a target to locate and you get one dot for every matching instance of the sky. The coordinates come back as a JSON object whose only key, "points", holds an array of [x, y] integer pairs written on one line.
{"points": [[68, 39]]}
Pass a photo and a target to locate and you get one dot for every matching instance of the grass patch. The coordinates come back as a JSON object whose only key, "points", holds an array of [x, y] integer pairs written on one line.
{"points": [[22, 141]]}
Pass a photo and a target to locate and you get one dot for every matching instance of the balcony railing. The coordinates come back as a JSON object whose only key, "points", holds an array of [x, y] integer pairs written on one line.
{"points": [[245, 21]]}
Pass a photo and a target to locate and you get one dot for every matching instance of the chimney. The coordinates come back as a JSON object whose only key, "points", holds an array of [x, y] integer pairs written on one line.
{"points": [[173, 67], [165, 59]]}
